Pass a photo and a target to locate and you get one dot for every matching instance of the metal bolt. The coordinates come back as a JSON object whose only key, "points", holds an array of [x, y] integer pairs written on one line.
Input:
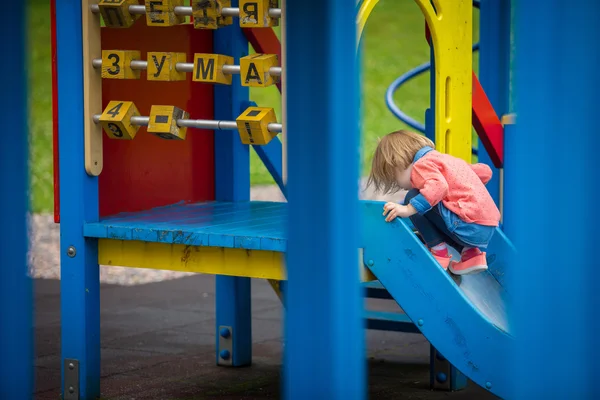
{"points": [[225, 354], [371, 263], [71, 366], [488, 385], [71, 251], [225, 333], [420, 322], [71, 389]]}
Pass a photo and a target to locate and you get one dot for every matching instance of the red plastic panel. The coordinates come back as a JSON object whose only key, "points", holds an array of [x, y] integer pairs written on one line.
{"points": [[487, 124], [54, 112], [148, 171]]}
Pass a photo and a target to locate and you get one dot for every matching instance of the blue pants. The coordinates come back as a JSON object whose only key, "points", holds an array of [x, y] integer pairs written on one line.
{"points": [[434, 228]]}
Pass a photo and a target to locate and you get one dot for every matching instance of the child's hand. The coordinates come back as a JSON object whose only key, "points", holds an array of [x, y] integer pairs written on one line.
{"points": [[394, 210]]}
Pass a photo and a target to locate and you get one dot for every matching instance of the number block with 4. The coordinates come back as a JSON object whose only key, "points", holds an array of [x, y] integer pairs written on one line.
{"points": [[162, 13], [253, 125], [254, 70], [255, 13], [115, 13], [116, 64], [207, 14], [163, 122], [116, 120]]}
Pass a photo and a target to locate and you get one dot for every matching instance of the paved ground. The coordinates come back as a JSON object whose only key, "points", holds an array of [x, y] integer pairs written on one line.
{"points": [[158, 343]]}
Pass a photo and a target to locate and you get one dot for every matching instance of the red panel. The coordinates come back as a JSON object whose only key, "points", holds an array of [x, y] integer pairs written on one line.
{"points": [[264, 41], [148, 171], [54, 111], [487, 124]]}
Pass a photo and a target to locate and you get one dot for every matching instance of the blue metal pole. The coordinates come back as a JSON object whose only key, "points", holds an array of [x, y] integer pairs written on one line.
{"points": [[232, 183], [494, 69], [555, 173], [16, 339], [325, 354], [80, 275]]}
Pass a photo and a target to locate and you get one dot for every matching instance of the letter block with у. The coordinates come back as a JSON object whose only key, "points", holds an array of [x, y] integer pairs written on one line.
{"points": [[163, 122], [162, 13], [253, 125], [115, 13], [254, 70], [207, 14], [162, 66], [116, 64], [116, 120], [255, 13], [209, 68]]}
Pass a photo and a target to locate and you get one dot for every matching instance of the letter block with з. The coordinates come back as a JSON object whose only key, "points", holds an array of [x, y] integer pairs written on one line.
{"points": [[162, 66], [116, 120], [254, 70], [162, 13], [209, 68], [115, 13], [253, 125], [207, 14], [116, 64], [163, 122], [255, 13]]}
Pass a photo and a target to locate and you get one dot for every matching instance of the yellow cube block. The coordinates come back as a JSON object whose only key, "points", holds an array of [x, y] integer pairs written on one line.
{"points": [[163, 122], [207, 14], [116, 120], [162, 13], [254, 70], [209, 68], [115, 13], [253, 125], [255, 13], [162, 66], [116, 64]]}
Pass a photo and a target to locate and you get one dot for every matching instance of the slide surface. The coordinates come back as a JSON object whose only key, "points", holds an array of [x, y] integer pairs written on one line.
{"points": [[464, 318]]}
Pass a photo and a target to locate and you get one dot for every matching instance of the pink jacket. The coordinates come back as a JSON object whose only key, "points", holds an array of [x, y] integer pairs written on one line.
{"points": [[458, 185]]}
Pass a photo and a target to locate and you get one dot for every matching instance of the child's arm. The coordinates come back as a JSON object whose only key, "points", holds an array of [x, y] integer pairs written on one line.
{"points": [[432, 185], [483, 171]]}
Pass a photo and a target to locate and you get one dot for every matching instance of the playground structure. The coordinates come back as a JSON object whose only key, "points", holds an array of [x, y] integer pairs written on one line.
{"points": [[187, 207]]}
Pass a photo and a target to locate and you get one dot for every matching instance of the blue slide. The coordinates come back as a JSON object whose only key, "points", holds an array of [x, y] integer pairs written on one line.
{"points": [[464, 318]]}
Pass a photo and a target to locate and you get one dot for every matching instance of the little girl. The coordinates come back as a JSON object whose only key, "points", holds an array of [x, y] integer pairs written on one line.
{"points": [[447, 199]]}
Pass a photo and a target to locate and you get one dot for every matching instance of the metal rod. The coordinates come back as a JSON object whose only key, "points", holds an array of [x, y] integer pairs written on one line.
{"points": [[197, 123], [186, 67], [187, 11]]}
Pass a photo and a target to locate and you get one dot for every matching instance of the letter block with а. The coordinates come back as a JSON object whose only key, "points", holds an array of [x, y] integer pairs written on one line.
{"points": [[115, 13], [162, 66], [254, 70], [162, 13], [209, 68], [253, 125], [116, 120]]}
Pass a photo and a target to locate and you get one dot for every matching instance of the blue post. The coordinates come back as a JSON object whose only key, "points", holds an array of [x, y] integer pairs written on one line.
{"points": [[494, 70], [80, 279], [232, 175], [325, 353], [555, 171], [16, 339]]}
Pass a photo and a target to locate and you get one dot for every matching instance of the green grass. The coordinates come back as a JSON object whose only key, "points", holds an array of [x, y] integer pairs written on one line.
{"points": [[394, 42]]}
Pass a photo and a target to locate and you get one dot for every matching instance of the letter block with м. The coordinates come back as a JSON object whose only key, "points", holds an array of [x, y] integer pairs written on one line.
{"points": [[253, 125], [162, 66], [116, 120], [207, 14], [116, 64], [115, 13], [255, 13], [163, 122], [162, 13], [254, 70], [209, 68]]}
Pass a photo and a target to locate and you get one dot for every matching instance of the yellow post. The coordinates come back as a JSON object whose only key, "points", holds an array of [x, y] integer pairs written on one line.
{"points": [[451, 25]]}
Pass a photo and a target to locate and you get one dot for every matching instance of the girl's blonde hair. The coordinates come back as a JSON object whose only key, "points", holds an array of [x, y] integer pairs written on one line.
{"points": [[395, 150]]}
